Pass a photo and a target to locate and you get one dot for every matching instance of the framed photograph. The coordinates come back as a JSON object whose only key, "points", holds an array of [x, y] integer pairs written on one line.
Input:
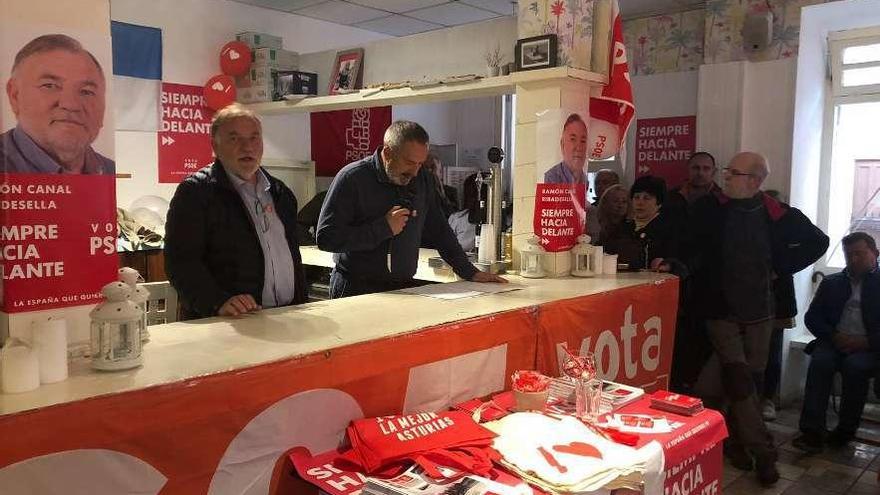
{"points": [[538, 52], [347, 74]]}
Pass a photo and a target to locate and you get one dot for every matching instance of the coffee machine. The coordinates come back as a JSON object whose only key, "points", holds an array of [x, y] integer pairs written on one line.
{"points": [[493, 205]]}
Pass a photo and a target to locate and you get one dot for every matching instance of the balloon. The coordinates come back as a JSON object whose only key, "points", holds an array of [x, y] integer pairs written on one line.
{"points": [[148, 218], [235, 58], [219, 91], [603, 138], [155, 204]]}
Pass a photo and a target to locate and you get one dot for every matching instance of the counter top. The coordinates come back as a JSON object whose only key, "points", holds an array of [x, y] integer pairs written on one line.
{"points": [[191, 349], [313, 256]]}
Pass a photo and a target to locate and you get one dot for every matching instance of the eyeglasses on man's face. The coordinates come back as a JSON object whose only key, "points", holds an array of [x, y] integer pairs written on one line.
{"points": [[737, 173]]}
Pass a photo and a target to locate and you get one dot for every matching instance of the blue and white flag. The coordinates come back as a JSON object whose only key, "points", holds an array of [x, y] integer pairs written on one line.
{"points": [[137, 77]]}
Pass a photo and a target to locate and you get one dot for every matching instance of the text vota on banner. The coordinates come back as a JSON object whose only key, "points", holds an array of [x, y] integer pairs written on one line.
{"points": [[185, 138], [559, 215], [663, 147], [57, 239]]}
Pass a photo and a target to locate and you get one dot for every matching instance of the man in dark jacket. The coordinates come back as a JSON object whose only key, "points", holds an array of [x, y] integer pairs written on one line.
{"points": [[376, 213], [230, 242], [701, 181], [742, 240], [845, 318]]}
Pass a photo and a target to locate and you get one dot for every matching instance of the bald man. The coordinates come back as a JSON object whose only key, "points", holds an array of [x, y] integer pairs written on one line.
{"points": [[743, 242]]}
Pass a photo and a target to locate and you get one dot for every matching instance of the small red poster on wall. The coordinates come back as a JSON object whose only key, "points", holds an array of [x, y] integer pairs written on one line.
{"points": [[663, 147], [185, 137], [559, 215], [58, 240], [345, 136]]}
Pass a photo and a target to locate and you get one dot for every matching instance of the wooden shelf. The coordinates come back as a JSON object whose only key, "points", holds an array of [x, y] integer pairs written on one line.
{"points": [[487, 86]]}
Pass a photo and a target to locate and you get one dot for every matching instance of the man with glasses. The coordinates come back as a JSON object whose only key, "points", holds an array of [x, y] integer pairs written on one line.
{"points": [[742, 241], [230, 243]]}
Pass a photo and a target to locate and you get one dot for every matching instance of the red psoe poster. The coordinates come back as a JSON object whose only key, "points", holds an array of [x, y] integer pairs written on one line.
{"points": [[345, 136], [663, 147], [57, 243], [185, 139], [559, 215]]}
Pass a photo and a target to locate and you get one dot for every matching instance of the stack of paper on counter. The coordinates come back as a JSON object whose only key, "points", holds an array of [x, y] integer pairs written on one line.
{"points": [[560, 454]]}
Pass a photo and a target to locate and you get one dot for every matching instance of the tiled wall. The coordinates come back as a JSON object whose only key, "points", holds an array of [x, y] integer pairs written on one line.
{"points": [[570, 20], [666, 43], [724, 21], [684, 41]]}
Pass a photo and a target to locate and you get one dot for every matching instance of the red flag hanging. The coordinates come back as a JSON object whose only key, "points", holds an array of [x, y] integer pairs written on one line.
{"points": [[344, 136], [615, 104]]}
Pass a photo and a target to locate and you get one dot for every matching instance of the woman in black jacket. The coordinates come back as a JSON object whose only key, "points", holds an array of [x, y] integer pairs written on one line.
{"points": [[649, 236]]}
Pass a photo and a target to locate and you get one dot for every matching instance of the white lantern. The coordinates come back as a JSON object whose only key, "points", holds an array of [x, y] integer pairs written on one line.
{"points": [[532, 255], [116, 322], [139, 296], [587, 260]]}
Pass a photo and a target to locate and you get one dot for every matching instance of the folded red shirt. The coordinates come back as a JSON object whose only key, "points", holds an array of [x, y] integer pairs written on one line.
{"points": [[383, 445]]}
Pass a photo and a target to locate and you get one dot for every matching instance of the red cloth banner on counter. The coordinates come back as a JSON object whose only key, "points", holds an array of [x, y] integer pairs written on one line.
{"points": [[630, 331], [560, 214], [185, 138], [58, 240], [345, 136], [663, 147]]}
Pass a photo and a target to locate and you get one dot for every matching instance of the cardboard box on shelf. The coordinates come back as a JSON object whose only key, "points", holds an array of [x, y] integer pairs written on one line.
{"points": [[260, 40], [256, 76], [274, 58], [257, 94]]}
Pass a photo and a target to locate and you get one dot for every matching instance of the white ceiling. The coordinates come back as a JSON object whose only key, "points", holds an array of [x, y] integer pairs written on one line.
{"points": [[405, 17]]}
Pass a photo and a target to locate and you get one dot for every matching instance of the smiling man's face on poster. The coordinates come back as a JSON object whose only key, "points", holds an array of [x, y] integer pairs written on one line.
{"points": [[57, 92]]}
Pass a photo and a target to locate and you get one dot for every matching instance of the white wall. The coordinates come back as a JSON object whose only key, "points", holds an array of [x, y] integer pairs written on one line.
{"points": [[671, 94], [748, 106], [419, 56], [192, 33], [768, 117], [471, 124]]}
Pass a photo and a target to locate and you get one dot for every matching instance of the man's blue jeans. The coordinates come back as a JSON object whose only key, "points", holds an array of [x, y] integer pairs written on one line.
{"points": [[856, 371]]}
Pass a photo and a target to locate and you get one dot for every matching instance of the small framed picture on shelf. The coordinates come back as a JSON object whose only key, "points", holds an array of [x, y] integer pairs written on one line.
{"points": [[538, 52], [347, 72]]}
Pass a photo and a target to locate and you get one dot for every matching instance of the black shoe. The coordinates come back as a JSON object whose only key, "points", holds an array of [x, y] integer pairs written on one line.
{"points": [[767, 473], [811, 443], [738, 457], [838, 439]]}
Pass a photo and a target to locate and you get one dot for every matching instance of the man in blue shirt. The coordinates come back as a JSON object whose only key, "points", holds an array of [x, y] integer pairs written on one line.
{"points": [[56, 92], [845, 318], [377, 211], [231, 243], [573, 144]]}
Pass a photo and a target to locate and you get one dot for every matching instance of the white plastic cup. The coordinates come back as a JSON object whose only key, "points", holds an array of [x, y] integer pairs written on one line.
{"points": [[609, 264]]}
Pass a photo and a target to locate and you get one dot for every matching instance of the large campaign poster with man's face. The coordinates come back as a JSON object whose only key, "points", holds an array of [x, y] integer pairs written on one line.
{"points": [[57, 174]]}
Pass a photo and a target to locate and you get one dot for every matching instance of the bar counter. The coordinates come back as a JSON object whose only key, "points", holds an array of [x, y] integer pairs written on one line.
{"points": [[219, 401]]}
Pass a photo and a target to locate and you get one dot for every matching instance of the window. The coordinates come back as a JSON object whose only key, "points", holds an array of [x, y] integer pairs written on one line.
{"points": [[850, 181]]}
